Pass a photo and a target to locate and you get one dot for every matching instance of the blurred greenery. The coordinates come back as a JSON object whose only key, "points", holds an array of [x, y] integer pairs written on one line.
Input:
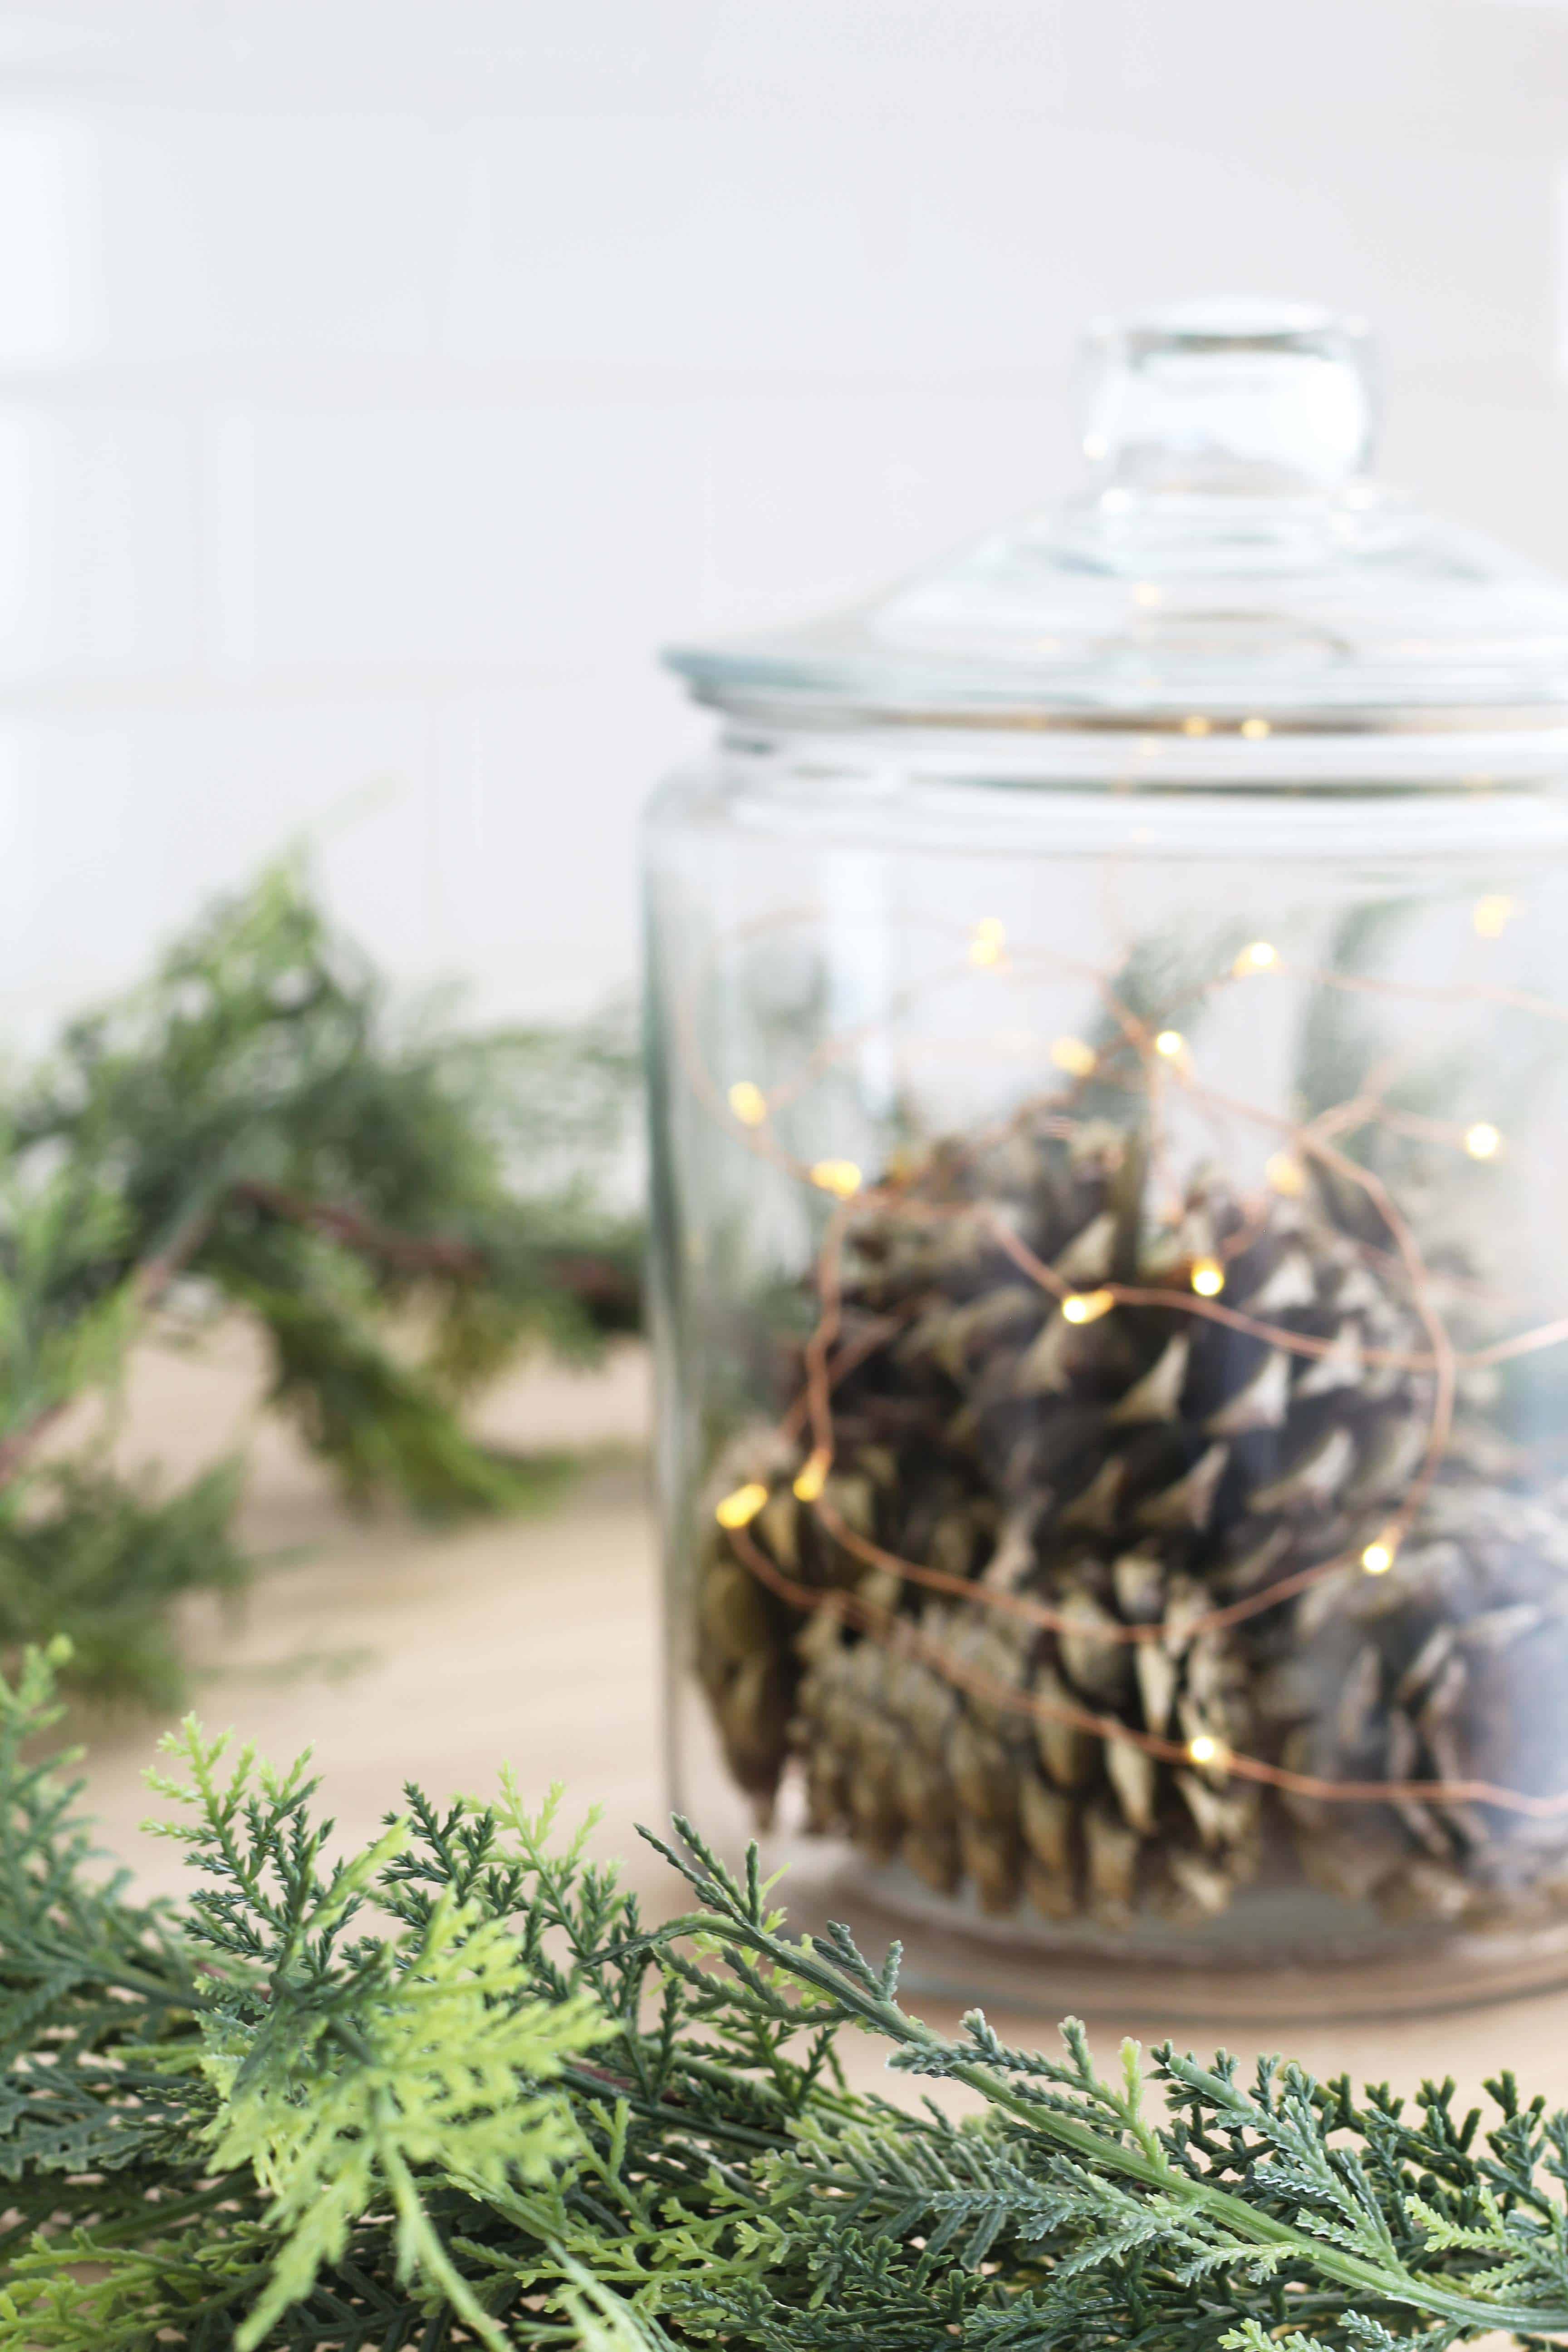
{"points": [[402, 1207]]}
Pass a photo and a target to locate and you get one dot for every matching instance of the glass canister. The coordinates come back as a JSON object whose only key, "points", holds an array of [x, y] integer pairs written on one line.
{"points": [[1108, 1006]]}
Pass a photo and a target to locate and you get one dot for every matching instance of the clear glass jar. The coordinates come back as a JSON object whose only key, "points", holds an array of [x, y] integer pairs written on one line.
{"points": [[1110, 1107]]}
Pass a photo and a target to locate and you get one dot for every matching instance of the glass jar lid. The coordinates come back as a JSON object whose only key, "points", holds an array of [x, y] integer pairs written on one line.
{"points": [[1230, 570]]}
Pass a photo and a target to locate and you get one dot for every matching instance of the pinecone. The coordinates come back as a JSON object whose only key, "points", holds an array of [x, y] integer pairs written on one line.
{"points": [[744, 1635], [1136, 1466], [959, 1748], [1453, 1666]]}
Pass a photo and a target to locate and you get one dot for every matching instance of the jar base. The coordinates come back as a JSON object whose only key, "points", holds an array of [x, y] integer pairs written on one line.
{"points": [[1280, 1953]]}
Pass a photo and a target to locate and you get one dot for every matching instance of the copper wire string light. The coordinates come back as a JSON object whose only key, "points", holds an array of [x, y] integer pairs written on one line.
{"points": [[1144, 1057]]}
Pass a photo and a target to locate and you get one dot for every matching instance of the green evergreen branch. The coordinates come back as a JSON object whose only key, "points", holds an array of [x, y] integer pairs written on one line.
{"points": [[450, 2089], [399, 1208]]}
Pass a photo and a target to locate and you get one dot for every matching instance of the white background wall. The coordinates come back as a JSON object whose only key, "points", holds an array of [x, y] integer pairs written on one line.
{"points": [[380, 381]]}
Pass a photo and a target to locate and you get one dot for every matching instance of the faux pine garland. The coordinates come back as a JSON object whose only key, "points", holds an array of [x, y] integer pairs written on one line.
{"points": [[451, 2090], [396, 1206]]}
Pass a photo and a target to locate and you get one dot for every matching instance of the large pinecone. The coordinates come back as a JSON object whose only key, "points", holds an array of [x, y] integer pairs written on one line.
{"points": [[1454, 1667], [1138, 1467]]}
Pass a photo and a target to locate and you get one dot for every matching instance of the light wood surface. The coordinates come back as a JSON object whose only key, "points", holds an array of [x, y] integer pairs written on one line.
{"points": [[402, 1651]]}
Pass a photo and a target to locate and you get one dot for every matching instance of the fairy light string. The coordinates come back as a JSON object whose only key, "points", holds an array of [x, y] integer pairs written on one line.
{"points": [[1160, 1055]]}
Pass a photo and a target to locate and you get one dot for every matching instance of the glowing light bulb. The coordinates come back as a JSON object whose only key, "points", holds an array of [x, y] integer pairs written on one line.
{"points": [[1203, 1748], [1208, 1277], [1286, 1175], [1088, 1306], [813, 1475], [1378, 1558], [1072, 1055], [1259, 957], [1171, 1044], [738, 1509], [839, 1176], [1491, 916], [1482, 1141], [748, 1102], [1255, 730], [1196, 725], [989, 941]]}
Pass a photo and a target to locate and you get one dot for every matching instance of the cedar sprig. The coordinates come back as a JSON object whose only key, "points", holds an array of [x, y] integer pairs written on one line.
{"points": [[453, 2090]]}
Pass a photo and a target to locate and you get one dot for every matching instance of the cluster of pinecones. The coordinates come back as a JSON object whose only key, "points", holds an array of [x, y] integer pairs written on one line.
{"points": [[1137, 1468]]}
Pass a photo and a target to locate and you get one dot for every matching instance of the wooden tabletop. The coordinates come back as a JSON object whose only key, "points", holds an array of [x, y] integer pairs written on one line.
{"points": [[399, 1652]]}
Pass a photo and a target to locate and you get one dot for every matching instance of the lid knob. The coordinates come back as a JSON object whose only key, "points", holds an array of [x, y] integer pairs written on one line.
{"points": [[1229, 399]]}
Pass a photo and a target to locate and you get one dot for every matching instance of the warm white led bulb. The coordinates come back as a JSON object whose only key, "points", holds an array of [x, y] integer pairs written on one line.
{"points": [[988, 941], [1072, 1055], [1088, 1306], [1286, 1175], [813, 1475], [748, 1102], [738, 1509]]}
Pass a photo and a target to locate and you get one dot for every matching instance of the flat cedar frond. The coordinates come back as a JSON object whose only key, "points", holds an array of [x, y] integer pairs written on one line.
{"points": [[340, 2112], [398, 1206], [450, 2090]]}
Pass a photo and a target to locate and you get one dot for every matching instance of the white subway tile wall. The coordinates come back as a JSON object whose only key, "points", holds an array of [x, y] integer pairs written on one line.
{"points": [[380, 381]]}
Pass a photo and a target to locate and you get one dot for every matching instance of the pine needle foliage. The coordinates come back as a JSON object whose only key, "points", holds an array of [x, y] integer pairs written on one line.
{"points": [[451, 2090], [398, 1204]]}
